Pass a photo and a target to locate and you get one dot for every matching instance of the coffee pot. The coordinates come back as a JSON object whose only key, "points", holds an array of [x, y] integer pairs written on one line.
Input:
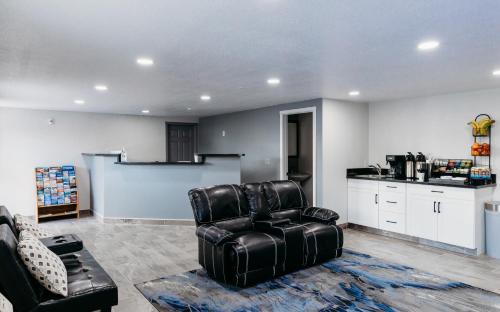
{"points": [[410, 166]]}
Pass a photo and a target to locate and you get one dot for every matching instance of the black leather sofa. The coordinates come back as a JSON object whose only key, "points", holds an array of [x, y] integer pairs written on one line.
{"points": [[59, 244], [90, 288], [253, 232]]}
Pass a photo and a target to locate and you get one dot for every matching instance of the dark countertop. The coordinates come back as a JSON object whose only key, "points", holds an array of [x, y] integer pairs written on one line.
{"points": [[162, 163], [422, 183], [100, 154], [167, 163], [158, 163], [221, 155]]}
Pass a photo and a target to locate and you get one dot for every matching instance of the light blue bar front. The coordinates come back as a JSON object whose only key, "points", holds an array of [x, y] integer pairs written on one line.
{"points": [[153, 191]]}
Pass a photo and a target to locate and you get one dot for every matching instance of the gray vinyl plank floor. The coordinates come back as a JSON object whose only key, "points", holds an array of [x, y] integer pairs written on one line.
{"points": [[132, 254]]}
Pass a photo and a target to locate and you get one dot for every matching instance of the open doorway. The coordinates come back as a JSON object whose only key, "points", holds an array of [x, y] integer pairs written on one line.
{"points": [[298, 149]]}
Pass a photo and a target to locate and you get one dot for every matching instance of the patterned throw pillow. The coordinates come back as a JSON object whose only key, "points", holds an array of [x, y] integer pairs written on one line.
{"points": [[45, 266], [26, 224], [5, 305]]}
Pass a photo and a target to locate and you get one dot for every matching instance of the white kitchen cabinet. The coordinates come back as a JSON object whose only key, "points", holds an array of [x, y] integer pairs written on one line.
{"points": [[392, 207], [363, 202], [455, 222], [391, 221], [445, 214], [421, 218]]}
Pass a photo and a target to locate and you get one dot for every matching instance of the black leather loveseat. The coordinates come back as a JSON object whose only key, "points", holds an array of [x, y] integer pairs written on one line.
{"points": [[89, 287], [253, 232]]}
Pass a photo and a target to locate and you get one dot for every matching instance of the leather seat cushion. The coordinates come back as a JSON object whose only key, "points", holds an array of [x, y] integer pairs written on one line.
{"points": [[89, 286], [321, 239], [255, 250], [236, 225]]}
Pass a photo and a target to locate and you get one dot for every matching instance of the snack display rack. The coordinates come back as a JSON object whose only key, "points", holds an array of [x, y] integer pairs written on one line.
{"points": [[481, 150]]}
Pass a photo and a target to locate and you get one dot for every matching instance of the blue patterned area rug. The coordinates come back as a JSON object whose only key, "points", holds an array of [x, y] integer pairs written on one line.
{"points": [[353, 282]]}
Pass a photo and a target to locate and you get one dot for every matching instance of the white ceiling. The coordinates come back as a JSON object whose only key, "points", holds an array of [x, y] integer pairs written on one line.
{"points": [[55, 51]]}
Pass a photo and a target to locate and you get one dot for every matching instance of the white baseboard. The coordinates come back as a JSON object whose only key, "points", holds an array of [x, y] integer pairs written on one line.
{"points": [[114, 220]]}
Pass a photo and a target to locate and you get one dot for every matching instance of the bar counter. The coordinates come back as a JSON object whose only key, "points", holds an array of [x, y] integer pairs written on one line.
{"points": [[153, 192]]}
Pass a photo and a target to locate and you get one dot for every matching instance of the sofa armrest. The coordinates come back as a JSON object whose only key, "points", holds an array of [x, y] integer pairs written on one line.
{"points": [[213, 234], [321, 215], [63, 244]]}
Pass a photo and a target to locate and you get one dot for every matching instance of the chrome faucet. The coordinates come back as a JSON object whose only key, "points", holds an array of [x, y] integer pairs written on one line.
{"points": [[378, 168]]}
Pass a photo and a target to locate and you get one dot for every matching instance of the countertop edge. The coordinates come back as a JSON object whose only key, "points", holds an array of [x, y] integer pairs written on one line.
{"points": [[221, 155], [158, 163], [101, 154], [424, 183]]}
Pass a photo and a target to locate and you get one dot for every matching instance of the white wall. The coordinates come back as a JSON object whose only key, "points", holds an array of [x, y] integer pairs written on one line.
{"points": [[28, 141], [435, 125], [345, 145]]}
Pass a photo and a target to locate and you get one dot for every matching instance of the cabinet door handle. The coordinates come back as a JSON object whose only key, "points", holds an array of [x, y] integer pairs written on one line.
{"points": [[376, 199], [441, 192], [388, 186], [391, 202], [434, 207], [393, 222], [439, 207]]}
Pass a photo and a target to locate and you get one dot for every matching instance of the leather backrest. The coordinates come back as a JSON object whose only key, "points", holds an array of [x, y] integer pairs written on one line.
{"points": [[6, 218], [257, 203], [218, 203], [16, 282], [284, 195]]}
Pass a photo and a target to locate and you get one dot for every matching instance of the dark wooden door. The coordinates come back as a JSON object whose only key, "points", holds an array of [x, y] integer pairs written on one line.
{"points": [[182, 142]]}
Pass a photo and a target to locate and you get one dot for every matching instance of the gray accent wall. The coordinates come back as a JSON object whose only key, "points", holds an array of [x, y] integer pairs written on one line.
{"points": [[256, 133], [342, 142]]}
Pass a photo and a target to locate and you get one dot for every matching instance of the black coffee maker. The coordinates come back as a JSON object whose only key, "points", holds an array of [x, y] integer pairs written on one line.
{"points": [[398, 166]]}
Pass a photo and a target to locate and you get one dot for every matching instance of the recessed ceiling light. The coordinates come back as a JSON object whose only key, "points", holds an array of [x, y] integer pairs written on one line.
{"points": [[144, 61], [428, 45], [79, 102], [101, 87], [273, 81], [145, 111], [354, 93], [189, 108], [496, 72], [205, 97]]}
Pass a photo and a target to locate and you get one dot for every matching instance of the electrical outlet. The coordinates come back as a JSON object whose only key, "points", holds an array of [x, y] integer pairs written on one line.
{"points": [[223, 133]]}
